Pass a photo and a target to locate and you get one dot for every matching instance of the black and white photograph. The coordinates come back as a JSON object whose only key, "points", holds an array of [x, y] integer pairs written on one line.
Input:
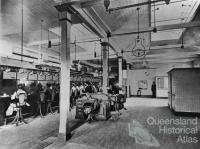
{"points": [[99, 74]]}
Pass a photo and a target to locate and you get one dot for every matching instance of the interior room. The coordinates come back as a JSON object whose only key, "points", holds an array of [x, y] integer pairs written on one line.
{"points": [[99, 74]]}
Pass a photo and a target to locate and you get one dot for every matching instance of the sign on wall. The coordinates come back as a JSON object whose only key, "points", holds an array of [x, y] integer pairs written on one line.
{"points": [[32, 77], [22, 76], [49, 77], [41, 77], [9, 75], [55, 77]]}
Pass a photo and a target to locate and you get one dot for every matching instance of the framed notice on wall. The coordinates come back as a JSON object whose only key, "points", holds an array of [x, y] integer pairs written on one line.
{"points": [[22, 76], [142, 84], [56, 77], [32, 77], [9, 75], [41, 77], [49, 77]]}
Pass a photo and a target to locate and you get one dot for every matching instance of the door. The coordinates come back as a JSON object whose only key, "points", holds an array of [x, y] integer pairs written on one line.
{"points": [[162, 86]]}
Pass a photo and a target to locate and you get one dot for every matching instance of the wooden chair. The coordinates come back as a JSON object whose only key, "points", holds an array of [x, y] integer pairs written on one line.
{"points": [[19, 103]]}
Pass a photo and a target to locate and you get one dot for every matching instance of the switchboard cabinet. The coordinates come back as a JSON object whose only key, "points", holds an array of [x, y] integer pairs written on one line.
{"points": [[184, 90]]}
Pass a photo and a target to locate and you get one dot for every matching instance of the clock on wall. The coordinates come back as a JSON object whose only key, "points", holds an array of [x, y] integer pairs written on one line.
{"points": [[147, 73]]}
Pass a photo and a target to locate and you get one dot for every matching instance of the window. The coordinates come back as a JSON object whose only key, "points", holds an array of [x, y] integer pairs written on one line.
{"points": [[162, 83]]}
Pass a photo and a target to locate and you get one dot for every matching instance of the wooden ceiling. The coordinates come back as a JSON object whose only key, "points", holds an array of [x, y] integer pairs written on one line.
{"points": [[125, 20], [121, 21]]}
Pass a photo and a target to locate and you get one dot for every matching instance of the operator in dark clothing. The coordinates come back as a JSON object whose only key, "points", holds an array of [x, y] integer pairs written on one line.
{"points": [[153, 89], [88, 88]]}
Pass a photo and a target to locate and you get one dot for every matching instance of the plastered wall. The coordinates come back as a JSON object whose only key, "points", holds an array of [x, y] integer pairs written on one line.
{"points": [[150, 74]]}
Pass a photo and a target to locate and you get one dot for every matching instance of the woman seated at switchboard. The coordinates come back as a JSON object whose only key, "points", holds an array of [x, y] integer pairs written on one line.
{"points": [[17, 100], [121, 99], [20, 91]]}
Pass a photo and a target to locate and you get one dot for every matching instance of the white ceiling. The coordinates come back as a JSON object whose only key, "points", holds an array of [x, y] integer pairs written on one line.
{"points": [[117, 22]]}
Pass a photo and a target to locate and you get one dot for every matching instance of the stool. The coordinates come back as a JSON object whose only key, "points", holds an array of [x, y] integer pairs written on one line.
{"points": [[19, 103]]}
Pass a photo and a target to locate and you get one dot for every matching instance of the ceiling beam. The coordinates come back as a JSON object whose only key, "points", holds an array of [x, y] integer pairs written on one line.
{"points": [[76, 2], [81, 3], [161, 28], [166, 60], [164, 42], [137, 5], [85, 17], [99, 20], [103, 30], [166, 47], [167, 65], [91, 3]]}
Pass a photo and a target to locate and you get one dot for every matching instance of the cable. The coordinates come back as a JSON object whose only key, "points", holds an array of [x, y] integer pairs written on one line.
{"points": [[41, 40], [22, 30], [108, 57], [154, 29], [95, 54], [182, 46], [75, 47], [138, 9]]}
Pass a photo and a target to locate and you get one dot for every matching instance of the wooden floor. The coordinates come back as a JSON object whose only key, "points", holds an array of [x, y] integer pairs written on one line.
{"points": [[116, 134], [130, 131]]}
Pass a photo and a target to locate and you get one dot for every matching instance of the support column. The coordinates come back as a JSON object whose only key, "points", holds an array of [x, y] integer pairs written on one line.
{"points": [[64, 130], [120, 71], [104, 46], [128, 81]]}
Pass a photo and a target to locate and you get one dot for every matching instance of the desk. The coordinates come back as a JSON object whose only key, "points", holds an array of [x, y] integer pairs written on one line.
{"points": [[4, 104]]}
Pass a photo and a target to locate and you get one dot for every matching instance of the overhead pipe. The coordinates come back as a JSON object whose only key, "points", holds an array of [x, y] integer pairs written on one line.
{"points": [[84, 41], [161, 28], [137, 5]]}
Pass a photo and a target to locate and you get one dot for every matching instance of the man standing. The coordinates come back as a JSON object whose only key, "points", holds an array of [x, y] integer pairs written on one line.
{"points": [[153, 89]]}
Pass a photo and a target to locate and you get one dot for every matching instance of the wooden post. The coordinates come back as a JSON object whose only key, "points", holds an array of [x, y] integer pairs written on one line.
{"points": [[128, 82], [105, 66], [120, 71], [64, 130]]}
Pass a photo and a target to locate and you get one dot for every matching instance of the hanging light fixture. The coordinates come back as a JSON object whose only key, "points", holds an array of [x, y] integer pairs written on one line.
{"points": [[167, 1], [139, 49], [41, 56], [95, 53], [75, 48], [182, 32], [49, 41], [182, 46], [154, 28], [122, 51], [106, 4], [22, 30]]}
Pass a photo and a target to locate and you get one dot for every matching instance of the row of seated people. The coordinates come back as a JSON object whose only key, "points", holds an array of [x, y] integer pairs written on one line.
{"points": [[43, 97], [39, 100], [117, 91], [91, 103], [80, 89]]}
